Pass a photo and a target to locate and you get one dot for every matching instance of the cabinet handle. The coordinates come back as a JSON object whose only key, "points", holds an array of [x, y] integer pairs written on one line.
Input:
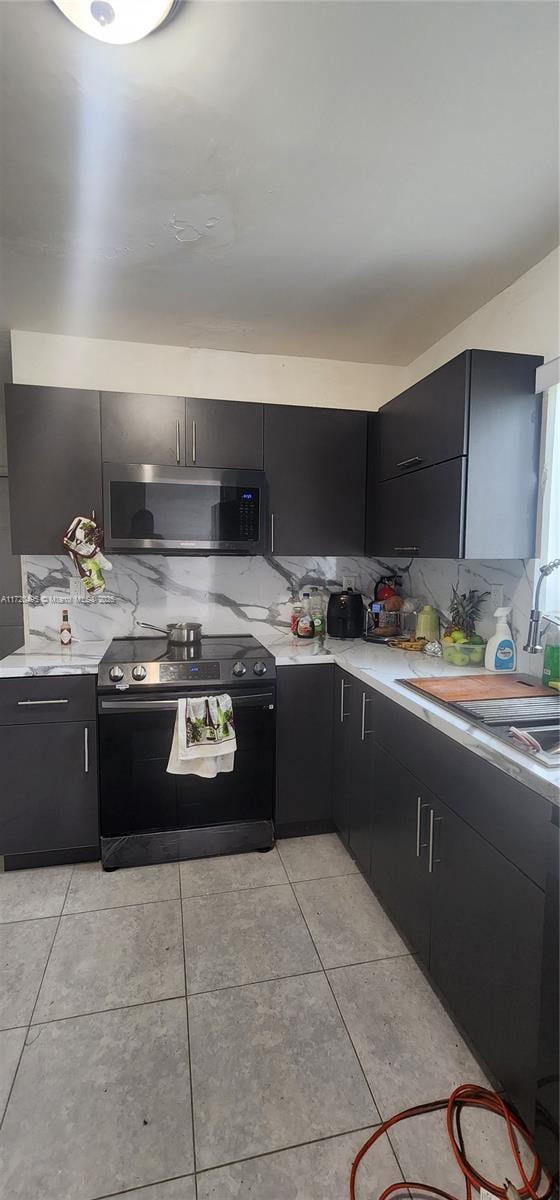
{"points": [[343, 685], [86, 750], [36, 703], [365, 732], [420, 845], [93, 514], [406, 549], [410, 462], [431, 859], [178, 440], [194, 441], [272, 533]]}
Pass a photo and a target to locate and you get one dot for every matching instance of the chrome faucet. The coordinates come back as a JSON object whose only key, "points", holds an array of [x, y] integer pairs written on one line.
{"points": [[532, 645]]}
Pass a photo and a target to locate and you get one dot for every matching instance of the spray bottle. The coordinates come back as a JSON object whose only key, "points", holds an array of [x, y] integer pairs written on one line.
{"points": [[500, 651]]}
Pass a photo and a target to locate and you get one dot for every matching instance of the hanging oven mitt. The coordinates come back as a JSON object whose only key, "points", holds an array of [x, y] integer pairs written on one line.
{"points": [[83, 540]]}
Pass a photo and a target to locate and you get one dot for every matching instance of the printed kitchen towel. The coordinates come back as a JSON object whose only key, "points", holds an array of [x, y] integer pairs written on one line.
{"points": [[204, 740]]}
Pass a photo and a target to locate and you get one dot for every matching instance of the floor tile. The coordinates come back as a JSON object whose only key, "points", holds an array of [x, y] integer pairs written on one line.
{"points": [[408, 1046], [346, 922], [315, 857], [100, 1104], [11, 1042], [111, 958], [425, 1155], [242, 937], [202, 876], [174, 1189], [317, 1171], [24, 949], [92, 887], [272, 1067], [34, 893]]}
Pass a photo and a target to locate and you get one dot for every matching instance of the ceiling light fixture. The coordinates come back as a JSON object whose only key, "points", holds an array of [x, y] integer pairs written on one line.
{"points": [[118, 21]]}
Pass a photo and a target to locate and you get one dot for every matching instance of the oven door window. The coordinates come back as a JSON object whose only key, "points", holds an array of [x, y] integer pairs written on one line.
{"points": [[183, 512], [138, 795]]}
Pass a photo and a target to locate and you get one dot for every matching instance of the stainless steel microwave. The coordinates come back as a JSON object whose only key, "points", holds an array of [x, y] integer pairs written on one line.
{"points": [[174, 509]]}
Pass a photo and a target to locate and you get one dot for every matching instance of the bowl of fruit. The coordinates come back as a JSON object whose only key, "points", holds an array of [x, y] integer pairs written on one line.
{"points": [[461, 644]]}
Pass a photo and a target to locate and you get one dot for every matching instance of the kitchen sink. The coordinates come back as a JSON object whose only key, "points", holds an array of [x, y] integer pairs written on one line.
{"points": [[531, 725]]}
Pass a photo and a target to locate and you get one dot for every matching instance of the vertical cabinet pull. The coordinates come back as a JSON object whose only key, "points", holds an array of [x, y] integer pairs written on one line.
{"points": [[420, 845], [431, 859], [272, 533], [86, 750], [194, 441], [343, 685], [365, 732], [178, 440]]}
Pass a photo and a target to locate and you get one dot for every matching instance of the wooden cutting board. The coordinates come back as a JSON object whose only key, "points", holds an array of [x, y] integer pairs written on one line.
{"points": [[480, 687]]}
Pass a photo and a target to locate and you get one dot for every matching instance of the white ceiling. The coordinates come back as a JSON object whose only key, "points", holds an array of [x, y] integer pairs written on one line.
{"points": [[343, 180]]}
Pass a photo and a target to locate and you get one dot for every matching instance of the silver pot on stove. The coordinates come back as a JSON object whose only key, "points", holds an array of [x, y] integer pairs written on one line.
{"points": [[178, 633]]}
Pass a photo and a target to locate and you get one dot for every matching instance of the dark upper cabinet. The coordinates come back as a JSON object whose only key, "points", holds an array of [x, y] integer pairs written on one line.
{"points": [[424, 425], [315, 462], [54, 463], [143, 429], [224, 433], [485, 953], [422, 514], [401, 836], [304, 700], [461, 451]]}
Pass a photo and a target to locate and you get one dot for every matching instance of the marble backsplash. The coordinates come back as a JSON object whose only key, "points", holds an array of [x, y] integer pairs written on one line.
{"points": [[249, 594]]}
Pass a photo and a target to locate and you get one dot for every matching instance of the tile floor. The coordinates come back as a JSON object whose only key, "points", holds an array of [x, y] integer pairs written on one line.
{"points": [[225, 1029]]}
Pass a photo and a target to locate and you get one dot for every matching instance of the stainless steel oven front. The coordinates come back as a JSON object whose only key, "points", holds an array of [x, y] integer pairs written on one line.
{"points": [[178, 509]]}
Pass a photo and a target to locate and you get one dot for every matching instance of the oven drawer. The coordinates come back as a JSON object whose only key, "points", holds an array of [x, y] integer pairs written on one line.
{"points": [[40, 698]]}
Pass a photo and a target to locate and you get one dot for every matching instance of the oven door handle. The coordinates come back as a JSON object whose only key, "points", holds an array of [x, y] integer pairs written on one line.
{"points": [[255, 700]]}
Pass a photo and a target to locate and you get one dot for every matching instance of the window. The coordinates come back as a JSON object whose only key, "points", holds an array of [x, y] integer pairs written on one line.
{"points": [[550, 499]]}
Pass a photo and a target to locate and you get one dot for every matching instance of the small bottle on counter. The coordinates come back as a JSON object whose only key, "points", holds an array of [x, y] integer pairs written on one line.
{"points": [[317, 611], [305, 622], [297, 609], [65, 629]]}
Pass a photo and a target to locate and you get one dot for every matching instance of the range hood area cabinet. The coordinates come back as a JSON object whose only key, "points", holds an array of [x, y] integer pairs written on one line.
{"points": [[170, 431], [453, 467], [54, 463]]}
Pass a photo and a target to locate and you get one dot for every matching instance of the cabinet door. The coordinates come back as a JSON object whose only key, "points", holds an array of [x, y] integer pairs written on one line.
{"points": [[485, 953], [346, 689], [143, 429], [426, 424], [223, 433], [49, 787], [54, 464], [315, 461], [362, 777], [421, 514], [399, 859], [304, 746]]}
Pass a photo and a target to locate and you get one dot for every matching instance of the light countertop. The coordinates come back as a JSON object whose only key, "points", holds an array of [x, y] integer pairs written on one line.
{"points": [[377, 666]]}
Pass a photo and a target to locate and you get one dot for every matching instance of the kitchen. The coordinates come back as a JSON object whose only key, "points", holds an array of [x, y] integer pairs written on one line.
{"points": [[358, 868]]}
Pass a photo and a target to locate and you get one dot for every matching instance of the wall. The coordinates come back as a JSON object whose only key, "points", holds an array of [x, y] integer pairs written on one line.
{"points": [[525, 318], [59, 361], [250, 595]]}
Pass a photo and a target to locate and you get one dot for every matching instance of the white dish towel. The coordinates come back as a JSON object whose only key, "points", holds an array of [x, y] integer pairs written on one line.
{"points": [[204, 741]]}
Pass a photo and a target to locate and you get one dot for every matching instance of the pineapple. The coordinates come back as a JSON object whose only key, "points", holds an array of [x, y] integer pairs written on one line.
{"points": [[464, 610]]}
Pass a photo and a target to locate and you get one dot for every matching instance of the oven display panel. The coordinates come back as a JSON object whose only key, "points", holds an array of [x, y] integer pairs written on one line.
{"points": [[171, 672]]}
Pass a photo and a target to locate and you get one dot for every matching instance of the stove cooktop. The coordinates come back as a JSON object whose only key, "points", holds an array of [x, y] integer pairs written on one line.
{"points": [[152, 661]]}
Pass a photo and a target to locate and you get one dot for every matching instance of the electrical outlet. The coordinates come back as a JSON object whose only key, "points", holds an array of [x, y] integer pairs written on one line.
{"points": [[496, 596]]}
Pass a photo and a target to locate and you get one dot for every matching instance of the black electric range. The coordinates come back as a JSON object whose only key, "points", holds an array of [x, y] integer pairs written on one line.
{"points": [[148, 814]]}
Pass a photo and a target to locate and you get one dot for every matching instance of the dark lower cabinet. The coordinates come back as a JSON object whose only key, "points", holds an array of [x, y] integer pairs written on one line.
{"points": [[485, 951], [400, 843], [304, 749], [49, 811], [464, 890], [315, 463], [224, 434], [54, 464]]}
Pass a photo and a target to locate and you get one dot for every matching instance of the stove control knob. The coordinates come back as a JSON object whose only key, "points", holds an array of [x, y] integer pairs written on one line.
{"points": [[139, 672], [259, 668], [116, 674], [239, 669]]}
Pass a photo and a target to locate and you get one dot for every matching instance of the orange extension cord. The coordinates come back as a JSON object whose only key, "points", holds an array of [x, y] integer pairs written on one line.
{"points": [[468, 1095]]}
